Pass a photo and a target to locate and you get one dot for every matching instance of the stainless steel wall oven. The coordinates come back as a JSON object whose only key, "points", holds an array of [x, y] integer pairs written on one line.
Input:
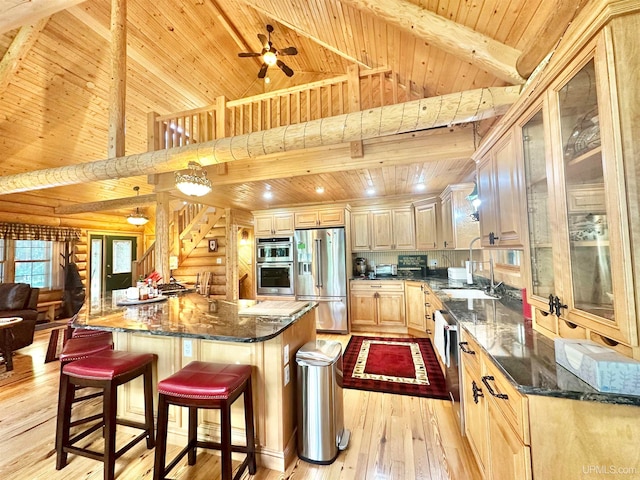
{"points": [[275, 278]]}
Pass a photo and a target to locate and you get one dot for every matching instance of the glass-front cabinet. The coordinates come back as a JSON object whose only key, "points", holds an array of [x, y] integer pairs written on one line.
{"points": [[576, 209]]}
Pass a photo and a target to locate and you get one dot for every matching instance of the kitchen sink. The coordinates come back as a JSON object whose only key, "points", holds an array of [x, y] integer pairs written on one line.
{"points": [[467, 293]]}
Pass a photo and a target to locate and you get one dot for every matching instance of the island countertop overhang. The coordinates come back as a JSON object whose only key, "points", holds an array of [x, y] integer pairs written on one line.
{"points": [[193, 316]]}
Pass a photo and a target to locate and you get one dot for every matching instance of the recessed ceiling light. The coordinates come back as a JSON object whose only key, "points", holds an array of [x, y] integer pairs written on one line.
{"points": [[268, 195], [420, 187], [319, 189], [371, 191]]}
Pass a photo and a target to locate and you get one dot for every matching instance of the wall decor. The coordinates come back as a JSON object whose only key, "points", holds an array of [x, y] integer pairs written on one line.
{"points": [[213, 245]]}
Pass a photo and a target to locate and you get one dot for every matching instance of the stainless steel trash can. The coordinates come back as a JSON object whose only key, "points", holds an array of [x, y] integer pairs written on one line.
{"points": [[321, 432]]}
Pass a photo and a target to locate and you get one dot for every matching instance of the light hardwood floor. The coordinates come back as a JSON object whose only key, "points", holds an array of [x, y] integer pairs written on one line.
{"points": [[393, 437]]}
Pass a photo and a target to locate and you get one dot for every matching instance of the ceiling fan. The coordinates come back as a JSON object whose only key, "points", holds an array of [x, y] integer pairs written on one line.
{"points": [[270, 55]]}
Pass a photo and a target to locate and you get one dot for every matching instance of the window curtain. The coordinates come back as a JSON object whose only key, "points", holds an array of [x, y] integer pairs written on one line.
{"points": [[22, 231], [57, 265]]}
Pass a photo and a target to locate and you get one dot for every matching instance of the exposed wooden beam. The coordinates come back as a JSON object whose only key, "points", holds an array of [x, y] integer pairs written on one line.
{"points": [[454, 38], [103, 205], [437, 145], [296, 28], [549, 35], [423, 114], [18, 49], [101, 30], [233, 31], [118, 86], [17, 13]]}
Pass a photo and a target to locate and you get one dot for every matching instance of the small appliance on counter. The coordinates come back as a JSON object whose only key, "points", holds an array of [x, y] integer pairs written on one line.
{"points": [[386, 270], [359, 267]]}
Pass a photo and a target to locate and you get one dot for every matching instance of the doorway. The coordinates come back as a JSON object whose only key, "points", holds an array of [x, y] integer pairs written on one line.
{"points": [[246, 249], [111, 263]]}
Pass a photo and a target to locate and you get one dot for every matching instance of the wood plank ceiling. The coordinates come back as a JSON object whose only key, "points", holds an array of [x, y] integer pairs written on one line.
{"points": [[182, 55]]}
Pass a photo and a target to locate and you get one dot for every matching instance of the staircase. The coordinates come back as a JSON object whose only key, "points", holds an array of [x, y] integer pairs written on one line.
{"points": [[188, 227]]}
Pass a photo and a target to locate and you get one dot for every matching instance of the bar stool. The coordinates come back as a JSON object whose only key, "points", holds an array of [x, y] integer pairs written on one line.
{"points": [[105, 370], [210, 386]]}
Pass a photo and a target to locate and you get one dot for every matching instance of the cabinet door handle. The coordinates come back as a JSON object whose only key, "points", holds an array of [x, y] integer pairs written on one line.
{"points": [[492, 238], [477, 391], [486, 379], [375, 286], [551, 305], [427, 304], [463, 347], [558, 305]]}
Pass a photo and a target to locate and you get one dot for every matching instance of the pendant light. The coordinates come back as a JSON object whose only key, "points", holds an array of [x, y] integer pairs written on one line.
{"points": [[195, 182], [137, 218]]}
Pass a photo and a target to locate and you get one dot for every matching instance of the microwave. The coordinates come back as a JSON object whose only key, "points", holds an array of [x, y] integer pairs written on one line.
{"points": [[386, 269], [277, 249]]}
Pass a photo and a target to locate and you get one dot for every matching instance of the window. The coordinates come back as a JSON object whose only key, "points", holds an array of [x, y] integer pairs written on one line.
{"points": [[33, 262]]}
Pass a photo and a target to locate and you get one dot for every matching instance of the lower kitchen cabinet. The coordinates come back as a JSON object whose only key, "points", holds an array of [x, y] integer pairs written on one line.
{"points": [[415, 308], [509, 458], [377, 306], [496, 417], [475, 417]]}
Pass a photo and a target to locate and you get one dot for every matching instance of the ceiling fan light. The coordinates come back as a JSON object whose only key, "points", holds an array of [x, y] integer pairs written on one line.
{"points": [[194, 183], [269, 58]]}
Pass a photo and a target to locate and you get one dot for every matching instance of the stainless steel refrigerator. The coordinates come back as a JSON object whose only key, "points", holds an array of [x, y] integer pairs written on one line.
{"points": [[321, 275]]}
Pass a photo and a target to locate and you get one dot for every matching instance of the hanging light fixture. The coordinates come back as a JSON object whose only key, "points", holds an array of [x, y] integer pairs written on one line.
{"points": [[475, 202], [137, 218], [194, 183]]}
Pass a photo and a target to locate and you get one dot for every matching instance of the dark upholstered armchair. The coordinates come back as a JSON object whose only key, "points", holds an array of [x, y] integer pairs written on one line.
{"points": [[20, 300]]}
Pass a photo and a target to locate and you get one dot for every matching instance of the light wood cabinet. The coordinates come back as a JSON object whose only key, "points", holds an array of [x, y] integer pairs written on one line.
{"points": [[377, 305], [500, 184], [575, 134], [266, 224], [383, 229], [360, 231], [580, 262], [509, 458], [458, 227], [427, 213], [328, 217], [496, 417], [415, 307]]}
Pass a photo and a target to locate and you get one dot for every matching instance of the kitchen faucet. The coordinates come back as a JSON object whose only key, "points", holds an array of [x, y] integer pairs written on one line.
{"points": [[492, 285], [471, 257]]}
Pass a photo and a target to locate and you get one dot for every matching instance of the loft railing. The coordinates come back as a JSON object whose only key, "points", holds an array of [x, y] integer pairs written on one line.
{"points": [[355, 91]]}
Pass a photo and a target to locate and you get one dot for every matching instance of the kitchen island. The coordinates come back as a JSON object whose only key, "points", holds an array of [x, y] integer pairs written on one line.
{"points": [[183, 328]]}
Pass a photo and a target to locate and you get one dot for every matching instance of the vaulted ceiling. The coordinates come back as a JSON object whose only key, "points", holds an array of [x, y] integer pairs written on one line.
{"points": [[55, 74]]}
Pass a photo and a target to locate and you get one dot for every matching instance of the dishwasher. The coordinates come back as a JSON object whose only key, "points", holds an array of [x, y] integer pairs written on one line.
{"points": [[446, 345]]}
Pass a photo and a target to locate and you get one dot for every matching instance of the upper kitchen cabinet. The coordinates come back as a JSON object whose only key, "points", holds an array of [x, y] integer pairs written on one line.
{"points": [[580, 160], [427, 213], [458, 226], [276, 223], [499, 188], [383, 229], [314, 218]]}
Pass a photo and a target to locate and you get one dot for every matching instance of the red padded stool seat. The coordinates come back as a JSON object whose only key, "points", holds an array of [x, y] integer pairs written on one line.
{"points": [[105, 370], [83, 347], [211, 386]]}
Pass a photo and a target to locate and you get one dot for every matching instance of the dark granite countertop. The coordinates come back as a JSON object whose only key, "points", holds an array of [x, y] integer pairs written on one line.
{"points": [[187, 315], [526, 357]]}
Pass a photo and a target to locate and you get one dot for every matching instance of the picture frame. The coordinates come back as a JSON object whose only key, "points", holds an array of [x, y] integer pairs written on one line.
{"points": [[213, 245]]}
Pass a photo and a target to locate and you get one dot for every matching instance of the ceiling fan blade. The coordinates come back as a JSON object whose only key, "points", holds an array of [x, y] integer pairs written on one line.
{"points": [[263, 40], [287, 71], [288, 51], [249, 54], [263, 71]]}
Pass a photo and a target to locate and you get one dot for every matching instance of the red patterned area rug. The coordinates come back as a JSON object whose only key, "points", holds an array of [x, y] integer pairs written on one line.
{"points": [[405, 366]]}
